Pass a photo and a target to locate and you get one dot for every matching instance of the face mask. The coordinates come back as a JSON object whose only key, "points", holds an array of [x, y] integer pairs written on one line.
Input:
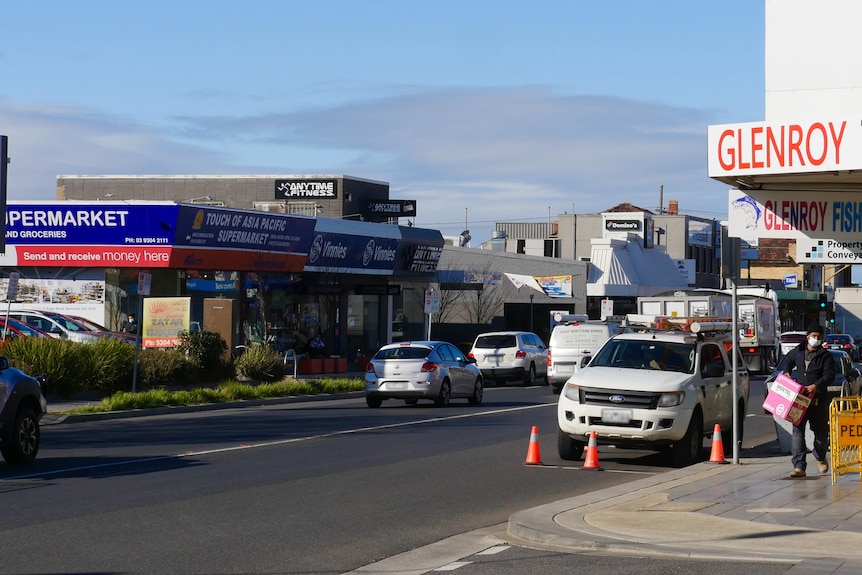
{"points": [[813, 341]]}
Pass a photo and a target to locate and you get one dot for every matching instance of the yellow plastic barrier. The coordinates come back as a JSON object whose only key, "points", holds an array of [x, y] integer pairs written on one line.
{"points": [[845, 436]]}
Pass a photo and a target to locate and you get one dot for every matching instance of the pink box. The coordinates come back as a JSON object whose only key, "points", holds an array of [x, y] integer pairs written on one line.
{"points": [[786, 400]]}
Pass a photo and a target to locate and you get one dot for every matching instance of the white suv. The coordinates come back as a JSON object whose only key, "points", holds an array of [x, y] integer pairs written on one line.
{"points": [[505, 355], [654, 389]]}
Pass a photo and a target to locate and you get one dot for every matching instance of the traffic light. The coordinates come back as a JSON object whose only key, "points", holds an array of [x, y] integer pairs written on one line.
{"points": [[822, 299]]}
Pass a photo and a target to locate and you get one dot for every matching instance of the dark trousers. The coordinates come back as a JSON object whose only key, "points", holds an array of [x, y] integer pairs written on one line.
{"points": [[817, 417]]}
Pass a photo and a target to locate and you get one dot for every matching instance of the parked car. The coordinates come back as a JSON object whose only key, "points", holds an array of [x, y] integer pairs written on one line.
{"points": [[506, 355], [844, 342], [56, 325], [15, 328], [22, 406], [846, 382], [435, 370], [90, 325], [790, 339]]}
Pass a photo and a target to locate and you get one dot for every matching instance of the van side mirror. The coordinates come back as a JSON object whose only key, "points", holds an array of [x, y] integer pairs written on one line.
{"points": [[4, 363]]}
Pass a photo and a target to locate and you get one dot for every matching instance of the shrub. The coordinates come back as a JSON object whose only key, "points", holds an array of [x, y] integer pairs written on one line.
{"points": [[64, 362], [260, 363], [205, 348], [110, 364], [166, 367]]}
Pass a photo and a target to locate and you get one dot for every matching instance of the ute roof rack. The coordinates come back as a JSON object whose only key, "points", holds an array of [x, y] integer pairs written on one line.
{"points": [[576, 318], [690, 324]]}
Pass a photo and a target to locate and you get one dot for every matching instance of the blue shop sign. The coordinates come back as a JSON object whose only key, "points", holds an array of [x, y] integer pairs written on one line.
{"points": [[127, 223], [211, 286], [212, 227], [345, 253]]}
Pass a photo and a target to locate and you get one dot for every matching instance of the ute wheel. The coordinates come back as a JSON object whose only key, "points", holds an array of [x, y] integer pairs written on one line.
{"points": [[22, 443], [373, 401], [478, 392], [442, 400], [530, 376], [568, 448], [687, 450]]}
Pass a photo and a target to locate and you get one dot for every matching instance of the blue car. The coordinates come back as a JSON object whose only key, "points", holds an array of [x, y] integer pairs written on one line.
{"points": [[22, 405]]}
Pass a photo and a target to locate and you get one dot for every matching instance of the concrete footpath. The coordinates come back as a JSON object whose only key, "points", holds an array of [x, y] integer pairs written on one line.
{"points": [[750, 511]]}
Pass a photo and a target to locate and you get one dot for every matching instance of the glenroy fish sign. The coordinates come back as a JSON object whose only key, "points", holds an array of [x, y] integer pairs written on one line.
{"points": [[774, 214], [758, 148]]}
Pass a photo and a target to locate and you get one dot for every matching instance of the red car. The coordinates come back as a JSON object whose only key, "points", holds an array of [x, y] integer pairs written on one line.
{"points": [[13, 328]]}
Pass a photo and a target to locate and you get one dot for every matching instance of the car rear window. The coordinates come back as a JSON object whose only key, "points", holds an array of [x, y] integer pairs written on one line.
{"points": [[406, 352], [838, 338], [495, 341], [793, 338]]}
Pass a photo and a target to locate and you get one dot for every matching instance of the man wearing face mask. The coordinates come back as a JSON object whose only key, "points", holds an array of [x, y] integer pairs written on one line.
{"points": [[815, 371]]}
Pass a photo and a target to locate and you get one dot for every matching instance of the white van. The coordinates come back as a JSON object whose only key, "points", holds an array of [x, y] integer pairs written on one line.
{"points": [[573, 342]]}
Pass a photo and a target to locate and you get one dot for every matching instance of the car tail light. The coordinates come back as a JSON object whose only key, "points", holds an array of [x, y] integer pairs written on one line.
{"points": [[370, 368], [428, 367], [471, 356], [520, 354], [846, 346], [550, 363]]}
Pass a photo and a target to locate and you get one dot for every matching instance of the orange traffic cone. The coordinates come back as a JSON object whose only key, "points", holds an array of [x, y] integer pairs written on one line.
{"points": [[534, 456], [717, 453], [592, 459]]}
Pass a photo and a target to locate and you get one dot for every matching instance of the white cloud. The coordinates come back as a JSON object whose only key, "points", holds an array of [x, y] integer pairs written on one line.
{"points": [[501, 154]]}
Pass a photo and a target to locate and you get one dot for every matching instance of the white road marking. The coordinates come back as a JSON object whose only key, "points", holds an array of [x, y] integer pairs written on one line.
{"points": [[453, 566], [275, 443], [494, 550]]}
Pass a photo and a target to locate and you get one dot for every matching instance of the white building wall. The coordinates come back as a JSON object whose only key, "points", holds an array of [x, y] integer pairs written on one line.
{"points": [[812, 63]]}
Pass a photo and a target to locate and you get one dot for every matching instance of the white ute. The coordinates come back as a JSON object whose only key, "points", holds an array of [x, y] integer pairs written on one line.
{"points": [[666, 386]]}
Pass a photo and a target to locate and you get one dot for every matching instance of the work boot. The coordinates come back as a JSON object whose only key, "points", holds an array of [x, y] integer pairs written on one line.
{"points": [[823, 466], [797, 473]]}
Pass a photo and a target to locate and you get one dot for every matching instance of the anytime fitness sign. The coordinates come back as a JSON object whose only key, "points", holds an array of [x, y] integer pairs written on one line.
{"points": [[306, 189]]}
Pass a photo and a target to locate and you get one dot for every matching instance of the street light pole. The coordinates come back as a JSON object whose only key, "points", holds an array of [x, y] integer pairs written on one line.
{"points": [[531, 313]]}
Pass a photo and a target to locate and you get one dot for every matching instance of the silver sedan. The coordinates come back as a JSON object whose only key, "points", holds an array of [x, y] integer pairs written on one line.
{"points": [[435, 370]]}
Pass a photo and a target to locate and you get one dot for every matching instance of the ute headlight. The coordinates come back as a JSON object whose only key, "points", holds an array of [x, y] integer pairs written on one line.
{"points": [[671, 399], [573, 392]]}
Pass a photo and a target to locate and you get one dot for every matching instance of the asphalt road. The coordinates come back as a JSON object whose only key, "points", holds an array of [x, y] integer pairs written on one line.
{"points": [[321, 487]]}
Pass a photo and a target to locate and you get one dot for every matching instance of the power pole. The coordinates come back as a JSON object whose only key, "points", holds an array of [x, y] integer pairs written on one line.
{"points": [[4, 163]]}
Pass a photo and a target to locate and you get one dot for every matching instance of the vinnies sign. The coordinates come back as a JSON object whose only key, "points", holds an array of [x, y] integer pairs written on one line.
{"points": [[758, 148]]}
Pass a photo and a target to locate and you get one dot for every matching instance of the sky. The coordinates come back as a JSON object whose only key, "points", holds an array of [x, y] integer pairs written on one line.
{"points": [[481, 111]]}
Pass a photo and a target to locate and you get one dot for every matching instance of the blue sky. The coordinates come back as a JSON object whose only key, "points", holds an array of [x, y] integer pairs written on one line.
{"points": [[481, 111]]}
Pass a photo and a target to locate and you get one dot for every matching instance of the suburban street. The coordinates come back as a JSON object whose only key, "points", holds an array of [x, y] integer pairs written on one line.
{"points": [[308, 487]]}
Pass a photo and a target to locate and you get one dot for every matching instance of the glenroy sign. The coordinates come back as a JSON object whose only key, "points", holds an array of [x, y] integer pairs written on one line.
{"points": [[758, 148]]}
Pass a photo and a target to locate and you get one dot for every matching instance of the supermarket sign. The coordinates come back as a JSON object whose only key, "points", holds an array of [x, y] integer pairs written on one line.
{"points": [[98, 234]]}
